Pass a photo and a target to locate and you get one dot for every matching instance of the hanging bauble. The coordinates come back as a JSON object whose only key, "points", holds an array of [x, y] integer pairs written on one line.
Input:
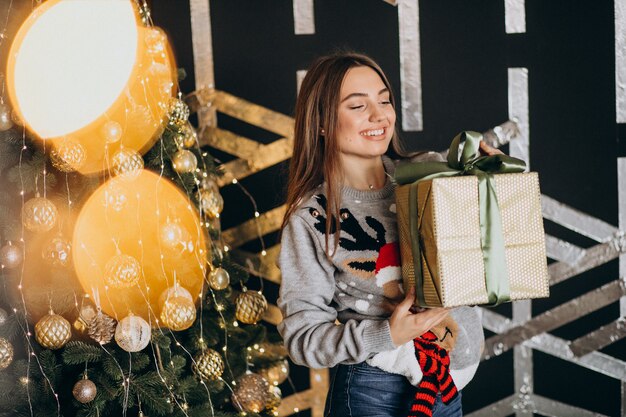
{"points": [[208, 183], [11, 256], [186, 137], [111, 131], [209, 365], [184, 161], [4, 316], [6, 353], [211, 202], [179, 113], [250, 306], [127, 164], [39, 214], [57, 252], [178, 313], [85, 314], [277, 373], [84, 390], [218, 278], [114, 196], [251, 393], [69, 156], [5, 117], [133, 333], [174, 291], [53, 331], [275, 397], [122, 271], [101, 328]]}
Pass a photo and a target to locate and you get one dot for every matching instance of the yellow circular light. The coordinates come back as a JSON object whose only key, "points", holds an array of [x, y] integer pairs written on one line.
{"points": [[75, 66], [135, 230]]}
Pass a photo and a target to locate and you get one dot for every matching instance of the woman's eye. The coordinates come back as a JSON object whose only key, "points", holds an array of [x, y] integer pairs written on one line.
{"points": [[385, 102], [356, 107]]}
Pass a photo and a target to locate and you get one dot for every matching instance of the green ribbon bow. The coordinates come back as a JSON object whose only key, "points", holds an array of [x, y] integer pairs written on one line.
{"points": [[464, 158]]}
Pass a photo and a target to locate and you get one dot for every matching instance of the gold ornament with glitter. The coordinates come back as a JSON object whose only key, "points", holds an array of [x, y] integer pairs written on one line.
{"points": [[211, 202], [178, 313], [209, 365], [184, 161], [251, 393], [6, 353], [101, 328], [277, 373], [218, 278], [69, 156], [39, 214], [84, 390], [127, 164], [179, 113], [186, 137], [57, 252], [275, 397], [5, 117], [53, 331], [11, 256], [250, 306], [122, 271], [133, 333]]}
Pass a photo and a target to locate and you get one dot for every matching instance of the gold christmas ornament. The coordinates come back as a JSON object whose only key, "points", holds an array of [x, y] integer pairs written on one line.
{"points": [[219, 279], [122, 271], [101, 328], [133, 333], [251, 393], [114, 196], [178, 313], [277, 373], [84, 390], [186, 137], [179, 113], [174, 291], [86, 313], [6, 353], [275, 397], [11, 256], [211, 202], [53, 331], [5, 117], [184, 161], [39, 214], [111, 131], [250, 306], [127, 164], [69, 156], [209, 365], [57, 252], [175, 239]]}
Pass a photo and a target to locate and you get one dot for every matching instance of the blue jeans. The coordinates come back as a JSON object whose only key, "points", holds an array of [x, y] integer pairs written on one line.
{"points": [[362, 390]]}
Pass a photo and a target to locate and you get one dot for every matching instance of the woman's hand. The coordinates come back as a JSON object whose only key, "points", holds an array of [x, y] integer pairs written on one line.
{"points": [[406, 326], [489, 150]]}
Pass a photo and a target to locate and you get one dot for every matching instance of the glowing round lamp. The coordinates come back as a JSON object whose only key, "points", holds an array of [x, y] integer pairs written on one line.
{"points": [[76, 66], [135, 230]]}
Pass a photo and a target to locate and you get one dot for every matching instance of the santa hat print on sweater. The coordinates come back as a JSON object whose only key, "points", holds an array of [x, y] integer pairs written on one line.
{"points": [[388, 264]]}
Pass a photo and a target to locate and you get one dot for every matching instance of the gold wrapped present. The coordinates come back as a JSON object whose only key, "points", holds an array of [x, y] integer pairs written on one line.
{"points": [[479, 237]]}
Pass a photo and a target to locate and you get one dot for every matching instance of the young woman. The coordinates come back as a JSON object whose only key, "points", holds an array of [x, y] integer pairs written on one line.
{"points": [[341, 294]]}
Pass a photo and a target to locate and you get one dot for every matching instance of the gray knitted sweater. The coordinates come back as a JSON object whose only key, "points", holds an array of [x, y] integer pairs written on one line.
{"points": [[335, 311]]}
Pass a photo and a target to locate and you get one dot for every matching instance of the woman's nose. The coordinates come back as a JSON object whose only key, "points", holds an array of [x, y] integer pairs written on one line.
{"points": [[377, 115]]}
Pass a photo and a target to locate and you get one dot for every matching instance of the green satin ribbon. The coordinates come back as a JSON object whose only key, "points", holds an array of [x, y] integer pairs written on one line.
{"points": [[464, 158]]}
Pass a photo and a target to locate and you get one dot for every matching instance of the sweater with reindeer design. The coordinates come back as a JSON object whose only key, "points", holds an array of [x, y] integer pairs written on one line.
{"points": [[336, 311]]}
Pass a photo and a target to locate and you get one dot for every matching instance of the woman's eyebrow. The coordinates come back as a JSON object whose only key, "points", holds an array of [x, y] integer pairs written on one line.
{"points": [[384, 90]]}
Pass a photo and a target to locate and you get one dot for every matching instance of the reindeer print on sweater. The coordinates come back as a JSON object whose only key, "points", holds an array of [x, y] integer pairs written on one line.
{"points": [[369, 255]]}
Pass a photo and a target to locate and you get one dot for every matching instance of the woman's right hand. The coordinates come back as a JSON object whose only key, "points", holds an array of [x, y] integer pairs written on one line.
{"points": [[406, 326]]}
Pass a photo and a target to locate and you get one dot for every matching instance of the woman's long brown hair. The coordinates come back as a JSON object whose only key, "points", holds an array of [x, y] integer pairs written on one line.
{"points": [[315, 157]]}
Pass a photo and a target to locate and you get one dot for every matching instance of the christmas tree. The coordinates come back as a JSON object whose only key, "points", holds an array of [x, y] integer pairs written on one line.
{"points": [[117, 295]]}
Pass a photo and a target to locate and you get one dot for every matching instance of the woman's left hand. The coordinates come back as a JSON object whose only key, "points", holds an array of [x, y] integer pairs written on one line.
{"points": [[489, 150]]}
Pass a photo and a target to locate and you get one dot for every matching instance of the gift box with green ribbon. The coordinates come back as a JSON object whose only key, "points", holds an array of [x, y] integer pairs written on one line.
{"points": [[471, 230]]}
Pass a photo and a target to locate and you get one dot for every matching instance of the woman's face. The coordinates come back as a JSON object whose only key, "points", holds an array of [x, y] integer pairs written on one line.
{"points": [[366, 117]]}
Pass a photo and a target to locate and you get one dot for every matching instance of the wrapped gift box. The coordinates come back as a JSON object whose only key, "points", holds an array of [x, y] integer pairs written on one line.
{"points": [[448, 225]]}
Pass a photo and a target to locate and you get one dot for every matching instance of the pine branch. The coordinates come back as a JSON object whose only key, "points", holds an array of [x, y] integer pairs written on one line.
{"points": [[77, 353]]}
